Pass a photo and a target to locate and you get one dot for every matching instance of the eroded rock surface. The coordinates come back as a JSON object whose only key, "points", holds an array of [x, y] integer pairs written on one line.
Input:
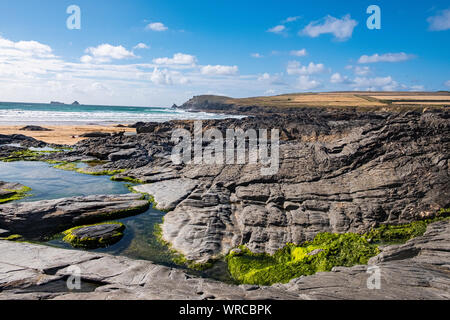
{"points": [[39, 219], [167, 194], [340, 171], [30, 271]]}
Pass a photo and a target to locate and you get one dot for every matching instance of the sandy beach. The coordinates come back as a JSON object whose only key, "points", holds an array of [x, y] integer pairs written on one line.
{"points": [[63, 134]]}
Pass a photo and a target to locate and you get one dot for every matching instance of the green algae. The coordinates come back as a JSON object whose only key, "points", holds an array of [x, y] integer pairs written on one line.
{"points": [[14, 195], [73, 166], [326, 251], [177, 257], [92, 243]]}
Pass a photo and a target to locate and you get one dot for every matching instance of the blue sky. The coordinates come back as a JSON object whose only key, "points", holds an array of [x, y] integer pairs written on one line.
{"points": [[155, 53]]}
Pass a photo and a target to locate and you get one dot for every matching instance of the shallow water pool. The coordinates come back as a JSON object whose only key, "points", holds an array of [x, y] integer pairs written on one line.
{"points": [[138, 242]]}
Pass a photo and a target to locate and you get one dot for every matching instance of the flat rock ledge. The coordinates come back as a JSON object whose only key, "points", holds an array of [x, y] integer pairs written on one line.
{"points": [[39, 219], [167, 194], [418, 269]]}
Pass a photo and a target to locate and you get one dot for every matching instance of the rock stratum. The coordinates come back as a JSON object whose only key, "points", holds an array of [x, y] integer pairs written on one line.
{"points": [[416, 270], [339, 171], [41, 219]]}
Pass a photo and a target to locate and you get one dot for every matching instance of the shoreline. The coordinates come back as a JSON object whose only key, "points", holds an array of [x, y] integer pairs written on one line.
{"points": [[63, 134]]}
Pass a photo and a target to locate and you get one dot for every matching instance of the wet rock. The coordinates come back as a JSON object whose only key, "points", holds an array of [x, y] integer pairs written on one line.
{"points": [[34, 128], [95, 135], [94, 236], [25, 266], [39, 219]]}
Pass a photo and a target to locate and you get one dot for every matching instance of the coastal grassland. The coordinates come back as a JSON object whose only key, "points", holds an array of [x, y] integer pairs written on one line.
{"points": [[13, 195], [95, 242], [326, 251], [363, 101]]}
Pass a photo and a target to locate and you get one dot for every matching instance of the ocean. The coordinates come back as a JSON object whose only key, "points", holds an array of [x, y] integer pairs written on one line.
{"points": [[52, 114]]}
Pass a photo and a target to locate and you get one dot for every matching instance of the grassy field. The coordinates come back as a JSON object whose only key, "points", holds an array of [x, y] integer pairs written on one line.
{"points": [[366, 100]]}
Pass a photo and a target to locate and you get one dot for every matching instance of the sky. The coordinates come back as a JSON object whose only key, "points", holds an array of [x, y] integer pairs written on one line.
{"points": [[160, 52]]}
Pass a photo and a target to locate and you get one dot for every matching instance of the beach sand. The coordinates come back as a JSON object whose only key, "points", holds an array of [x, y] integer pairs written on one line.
{"points": [[63, 134]]}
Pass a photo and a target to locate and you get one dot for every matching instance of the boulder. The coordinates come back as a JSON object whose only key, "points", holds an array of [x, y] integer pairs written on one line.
{"points": [[94, 236]]}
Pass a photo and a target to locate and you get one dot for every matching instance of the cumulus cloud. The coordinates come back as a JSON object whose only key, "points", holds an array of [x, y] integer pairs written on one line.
{"points": [[306, 83], [156, 26], [361, 71], [219, 70], [298, 53], [337, 78], [375, 84], [177, 59], [342, 29], [277, 29], [440, 22], [141, 46], [387, 57], [24, 49], [295, 67], [106, 53], [447, 83]]}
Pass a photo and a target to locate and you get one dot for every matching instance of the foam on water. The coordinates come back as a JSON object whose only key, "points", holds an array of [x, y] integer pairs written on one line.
{"points": [[22, 114]]}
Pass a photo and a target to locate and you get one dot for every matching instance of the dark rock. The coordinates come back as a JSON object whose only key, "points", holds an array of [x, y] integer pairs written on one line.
{"points": [[94, 236], [76, 103], [39, 219], [95, 135], [24, 266], [35, 128]]}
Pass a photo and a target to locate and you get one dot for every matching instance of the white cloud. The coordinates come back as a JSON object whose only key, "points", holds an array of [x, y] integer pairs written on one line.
{"points": [[387, 57], [256, 55], [338, 78], [361, 71], [417, 88], [305, 83], [295, 67], [264, 76], [298, 53], [448, 83], [375, 84], [440, 22], [219, 70], [291, 19], [277, 29], [86, 59], [141, 46], [106, 53], [177, 59], [342, 29], [24, 49], [156, 26]]}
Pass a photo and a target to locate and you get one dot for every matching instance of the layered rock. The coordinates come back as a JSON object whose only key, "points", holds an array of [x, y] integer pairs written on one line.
{"points": [[340, 171], [30, 271], [38, 219]]}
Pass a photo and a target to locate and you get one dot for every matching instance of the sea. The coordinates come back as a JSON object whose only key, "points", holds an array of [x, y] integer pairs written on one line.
{"points": [[15, 113]]}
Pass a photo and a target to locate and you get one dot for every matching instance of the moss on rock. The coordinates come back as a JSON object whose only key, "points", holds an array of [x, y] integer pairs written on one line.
{"points": [[94, 236], [13, 195], [326, 251]]}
